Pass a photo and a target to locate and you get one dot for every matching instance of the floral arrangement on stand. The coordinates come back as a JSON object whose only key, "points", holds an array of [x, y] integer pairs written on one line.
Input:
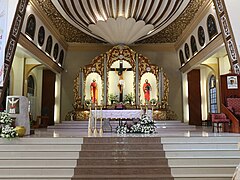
{"points": [[145, 125], [6, 123]]}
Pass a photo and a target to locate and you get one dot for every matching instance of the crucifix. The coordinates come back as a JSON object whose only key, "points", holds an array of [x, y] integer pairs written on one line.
{"points": [[119, 72]]}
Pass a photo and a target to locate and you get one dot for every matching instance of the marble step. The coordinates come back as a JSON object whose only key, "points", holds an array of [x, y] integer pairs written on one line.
{"points": [[121, 147], [210, 139], [32, 172], [43, 141], [28, 163], [39, 155], [134, 153], [176, 171], [35, 178], [125, 177], [203, 153], [37, 147], [203, 146], [215, 162], [121, 170], [122, 161]]}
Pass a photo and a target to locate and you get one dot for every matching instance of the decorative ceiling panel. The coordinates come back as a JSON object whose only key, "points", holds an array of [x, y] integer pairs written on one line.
{"points": [[168, 17], [108, 20]]}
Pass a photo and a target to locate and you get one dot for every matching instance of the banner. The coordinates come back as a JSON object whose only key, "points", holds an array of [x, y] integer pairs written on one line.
{"points": [[3, 35]]}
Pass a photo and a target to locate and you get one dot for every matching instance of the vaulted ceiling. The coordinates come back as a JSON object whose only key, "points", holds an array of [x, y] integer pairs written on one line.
{"points": [[120, 21]]}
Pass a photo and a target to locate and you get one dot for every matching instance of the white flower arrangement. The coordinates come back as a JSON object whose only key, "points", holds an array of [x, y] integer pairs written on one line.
{"points": [[5, 119], [144, 125], [8, 132]]}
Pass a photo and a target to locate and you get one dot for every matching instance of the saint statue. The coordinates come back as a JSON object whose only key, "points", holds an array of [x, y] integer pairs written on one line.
{"points": [[146, 89], [94, 91]]}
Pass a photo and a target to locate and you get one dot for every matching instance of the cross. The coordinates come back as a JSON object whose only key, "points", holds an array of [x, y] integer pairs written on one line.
{"points": [[120, 71]]}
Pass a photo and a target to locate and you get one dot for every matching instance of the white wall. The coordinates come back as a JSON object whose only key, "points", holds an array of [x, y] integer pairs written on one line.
{"points": [[224, 65], [17, 79]]}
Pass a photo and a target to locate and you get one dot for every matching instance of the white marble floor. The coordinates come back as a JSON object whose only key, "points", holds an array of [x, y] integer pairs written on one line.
{"points": [[199, 132]]}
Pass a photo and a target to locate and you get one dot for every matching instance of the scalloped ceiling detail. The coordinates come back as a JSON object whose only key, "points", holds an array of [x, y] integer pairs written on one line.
{"points": [[168, 34]]}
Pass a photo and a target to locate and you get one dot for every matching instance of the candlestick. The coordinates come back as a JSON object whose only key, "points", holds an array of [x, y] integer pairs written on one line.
{"points": [[152, 112], [90, 122], [146, 109], [95, 126], [101, 129]]}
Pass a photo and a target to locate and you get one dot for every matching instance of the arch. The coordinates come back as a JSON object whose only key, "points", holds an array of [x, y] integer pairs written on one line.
{"points": [[30, 86], [48, 48], [187, 51], [31, 26], [201, 36], [61, 57], [193, 45], [211, 26], [41, 36], [181, 57], [55, 51]]}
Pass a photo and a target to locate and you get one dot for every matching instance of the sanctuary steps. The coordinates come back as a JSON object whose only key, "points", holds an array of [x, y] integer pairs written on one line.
{"points": [[161, 125], [208, 157]]}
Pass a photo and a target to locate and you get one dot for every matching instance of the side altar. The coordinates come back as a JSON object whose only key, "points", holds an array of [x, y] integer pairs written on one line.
{"points": [[122, 78]]}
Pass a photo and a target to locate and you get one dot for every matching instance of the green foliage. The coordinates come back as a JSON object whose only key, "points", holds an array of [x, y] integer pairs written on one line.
{"points": [[129, 98], [113, 98]]}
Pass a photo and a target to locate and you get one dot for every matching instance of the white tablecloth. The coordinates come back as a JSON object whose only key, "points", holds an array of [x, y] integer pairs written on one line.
{"points": [[119, 114]]}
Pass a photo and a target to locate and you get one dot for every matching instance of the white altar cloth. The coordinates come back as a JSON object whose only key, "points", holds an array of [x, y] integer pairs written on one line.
{"points": [[119, 114]]}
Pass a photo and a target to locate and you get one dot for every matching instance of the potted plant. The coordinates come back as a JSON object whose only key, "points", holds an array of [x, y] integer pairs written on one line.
{"points": [[129, 98], [113, 98]]}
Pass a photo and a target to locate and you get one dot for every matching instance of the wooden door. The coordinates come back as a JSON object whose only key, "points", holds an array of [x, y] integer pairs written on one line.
{"points": [[48, 95], [194, 97]]}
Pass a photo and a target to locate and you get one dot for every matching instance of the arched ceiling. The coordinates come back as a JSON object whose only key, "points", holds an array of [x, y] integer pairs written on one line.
{"points": [[120, 21]]}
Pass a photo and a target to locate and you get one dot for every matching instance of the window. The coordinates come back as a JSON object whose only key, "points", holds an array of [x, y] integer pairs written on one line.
{"points": [[187, 51], [41, 35], [193, 45], [31, 26], [55, 51], [211, 26], [201, 36], [30, 87], [61, 56], [181, 57], [213, 94], [49, 45]]}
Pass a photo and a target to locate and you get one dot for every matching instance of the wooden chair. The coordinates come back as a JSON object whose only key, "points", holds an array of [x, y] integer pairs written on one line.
{"points": [[218, 118]]}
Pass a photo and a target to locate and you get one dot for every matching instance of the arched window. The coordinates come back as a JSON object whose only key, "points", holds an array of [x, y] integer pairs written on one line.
{"points": [[30, 87], [61, 56], [201, 36], [31, 26], [193, 45], [181, 57], [187, 51], [211, 26], [213, 94], [55, 51], [49, 45], [41, 35]]}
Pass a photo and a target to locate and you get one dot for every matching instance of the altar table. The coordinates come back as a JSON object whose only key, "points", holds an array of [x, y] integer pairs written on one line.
{"points": [[117, 114]]}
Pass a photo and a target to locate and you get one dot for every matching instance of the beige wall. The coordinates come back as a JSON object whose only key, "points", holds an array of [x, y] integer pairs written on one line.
{"points": [[164, 58]]}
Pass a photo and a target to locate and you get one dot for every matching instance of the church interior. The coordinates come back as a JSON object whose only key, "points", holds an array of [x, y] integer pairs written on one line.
{"points": [[79, 76]]}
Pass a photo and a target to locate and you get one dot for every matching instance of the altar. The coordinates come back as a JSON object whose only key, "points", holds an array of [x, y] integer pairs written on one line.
{"points": [[119, 114], [121, 76]]}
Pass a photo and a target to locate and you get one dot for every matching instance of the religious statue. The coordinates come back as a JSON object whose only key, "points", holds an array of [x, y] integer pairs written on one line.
{"points": [[146, 89], [121, 83], [13, 106], [94, 91]]}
